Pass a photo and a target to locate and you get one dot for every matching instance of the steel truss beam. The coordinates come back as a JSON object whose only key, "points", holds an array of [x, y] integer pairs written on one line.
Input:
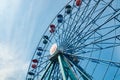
{"points": [[65, 69], [82, 72]]}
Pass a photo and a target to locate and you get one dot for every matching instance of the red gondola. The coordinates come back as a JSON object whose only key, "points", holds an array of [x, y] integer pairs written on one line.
{"points": [[34, 66], [78, 2], [35, 61], [52, 30], [52, 26]]}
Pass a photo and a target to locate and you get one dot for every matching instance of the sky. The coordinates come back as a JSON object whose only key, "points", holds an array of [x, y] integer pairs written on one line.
{"points": [[22, 23]]}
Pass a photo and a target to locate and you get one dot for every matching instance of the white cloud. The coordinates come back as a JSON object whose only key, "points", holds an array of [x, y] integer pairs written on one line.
{"points": [[8, 9], [12, 67], [14, 40], [18, 25]]}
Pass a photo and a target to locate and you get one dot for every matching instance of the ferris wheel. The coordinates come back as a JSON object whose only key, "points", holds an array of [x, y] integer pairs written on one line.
{"points": [[81, 43]]}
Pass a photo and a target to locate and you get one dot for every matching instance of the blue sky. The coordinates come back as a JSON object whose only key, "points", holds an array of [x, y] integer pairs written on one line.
{"points": [[22, 22]]}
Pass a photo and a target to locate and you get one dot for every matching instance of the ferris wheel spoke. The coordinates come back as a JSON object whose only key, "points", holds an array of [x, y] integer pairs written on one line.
{"points": [[116, 73], [90, 49], [65, 27], [111, 6], [47, 68], [85, 32], [104, 28], [99, 42], [92, 26], [117, 19], [59, 33], [68, 28], [40, 70], [75, 21], [92, 32], [51, 69], [57, 73], [75, 70], [86, 10], [98, 15], [96, 31], [90, 13], [87, 25], [52, 36], [53, 73], [56, 35], [101, 36], [64, 65], [44, 56], [74, 28], [108, 19], [59, 76], [95, 50], [98, 61], [83, 73], [65, 30], [50, 41], [43, 62], [78, 52], [79, 18], [68, 23]]}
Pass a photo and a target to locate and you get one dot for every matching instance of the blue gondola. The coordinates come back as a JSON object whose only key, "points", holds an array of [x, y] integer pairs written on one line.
{"points": [[31, 73], [60, 18], [29, 79], [40, 49], [39, 53], [68, 9], [45, 37], [45, 41]]}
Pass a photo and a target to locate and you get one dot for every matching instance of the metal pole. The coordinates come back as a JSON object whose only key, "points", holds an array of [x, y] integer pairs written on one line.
{"points": [[43, 75], [61, 67], [83, 73], [65, 69], [50, 71]]}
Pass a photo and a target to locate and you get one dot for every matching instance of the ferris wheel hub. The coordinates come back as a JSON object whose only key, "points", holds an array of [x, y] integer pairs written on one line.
{"points": [[54, 52], [53, 49]]}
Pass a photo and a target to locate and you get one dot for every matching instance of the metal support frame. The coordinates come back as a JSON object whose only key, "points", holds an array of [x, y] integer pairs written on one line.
{"points": [[65, 69], [82, 72], [50, 71], [47, 69]]}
